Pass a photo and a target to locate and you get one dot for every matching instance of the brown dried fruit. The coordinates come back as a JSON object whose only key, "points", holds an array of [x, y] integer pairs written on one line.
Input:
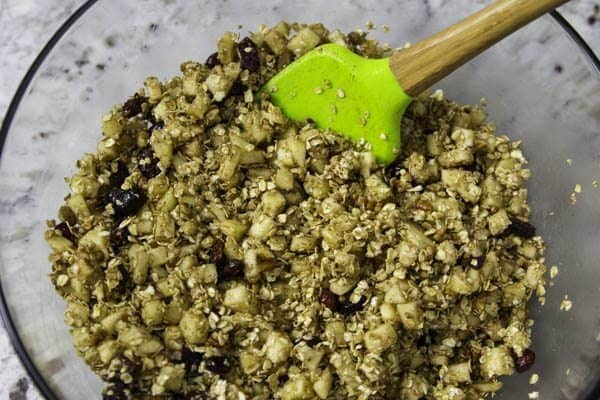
{"points": [[120, 369], [191, 359], [218, 364], [237, 89], [249, 58], [521, 228], [525, 361], [65, 231], [329, 299], [232, 269], [133, 106], [196, 395], [118, 177], [212, 60], [148, 163], [116, 391], [118, 237], [348, 308], [126, 201], [217, 255]]}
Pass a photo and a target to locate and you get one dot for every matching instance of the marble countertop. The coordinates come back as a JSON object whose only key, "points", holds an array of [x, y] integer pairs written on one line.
{"points": [[28, 24]]}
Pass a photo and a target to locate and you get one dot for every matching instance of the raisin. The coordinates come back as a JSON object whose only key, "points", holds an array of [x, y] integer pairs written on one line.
{"points": [[191, 359], [118, 237], [102, 198], [348, 308], [237, 89], [525, 361], [329, 299], [217, 255], [424, 340], [118, 177], [218, 364], [393, 170], [521, 228], [195, 395], [65, 231], [212, 60], [356, 38], [120, 369], [133, 106], [232, 269], [115, 391], [148, 163], [126, 201], [249, 58], [472, 262], [156, 125]]}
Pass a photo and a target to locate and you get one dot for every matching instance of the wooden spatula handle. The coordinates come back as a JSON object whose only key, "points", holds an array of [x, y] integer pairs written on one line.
{"points": [[425, 63]]}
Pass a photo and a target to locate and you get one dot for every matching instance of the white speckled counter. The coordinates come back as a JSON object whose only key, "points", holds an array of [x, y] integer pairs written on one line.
{"points": [[28, 24]]}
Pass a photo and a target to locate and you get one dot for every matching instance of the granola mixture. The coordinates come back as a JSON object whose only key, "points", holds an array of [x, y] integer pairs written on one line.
{"points": [[213, 249]]}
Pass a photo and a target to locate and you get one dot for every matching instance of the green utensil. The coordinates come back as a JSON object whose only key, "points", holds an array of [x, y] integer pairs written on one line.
{"points": [[364, 99], [352, 95]]}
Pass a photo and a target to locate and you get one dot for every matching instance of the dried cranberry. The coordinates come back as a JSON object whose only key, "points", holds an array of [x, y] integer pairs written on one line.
{"points": [[237, 89], [118, 237], [212, 60], [249, 58], [525, 361], [218, 364], [348, 308], [133, 106], [148, 163], [521, 228], [232, 269], [126, 201], [329, 299], [65, 231], [217, 255], [118, 177], [191, 359]]}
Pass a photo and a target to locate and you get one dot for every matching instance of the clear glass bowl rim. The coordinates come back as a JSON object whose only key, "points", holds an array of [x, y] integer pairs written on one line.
{"points": [[9, 325]]}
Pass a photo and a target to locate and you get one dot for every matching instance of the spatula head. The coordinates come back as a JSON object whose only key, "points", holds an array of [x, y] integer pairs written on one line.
{"points": [[356, 97]]}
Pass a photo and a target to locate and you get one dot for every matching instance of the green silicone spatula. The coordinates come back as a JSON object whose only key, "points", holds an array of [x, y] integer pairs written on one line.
{"points": [[364, 99]]}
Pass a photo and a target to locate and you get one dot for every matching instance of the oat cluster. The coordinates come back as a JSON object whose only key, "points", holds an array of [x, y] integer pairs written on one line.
{"points": [[213, 249]]}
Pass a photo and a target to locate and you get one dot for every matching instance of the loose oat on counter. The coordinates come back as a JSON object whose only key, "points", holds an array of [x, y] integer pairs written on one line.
{"points": [[213, 249]]}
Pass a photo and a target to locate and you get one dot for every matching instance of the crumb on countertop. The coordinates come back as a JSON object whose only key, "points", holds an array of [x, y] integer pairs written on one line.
{"points": [[534, 379], [566, 304]]}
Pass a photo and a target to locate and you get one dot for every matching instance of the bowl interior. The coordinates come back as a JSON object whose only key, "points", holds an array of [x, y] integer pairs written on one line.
{"points": [[539, 84]]}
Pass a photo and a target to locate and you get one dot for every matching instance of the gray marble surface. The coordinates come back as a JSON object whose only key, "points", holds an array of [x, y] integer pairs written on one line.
{"points": [[27, 25]]}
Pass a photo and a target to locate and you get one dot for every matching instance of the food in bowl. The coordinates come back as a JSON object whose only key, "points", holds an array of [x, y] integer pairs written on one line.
{"points": [[213, 248]]}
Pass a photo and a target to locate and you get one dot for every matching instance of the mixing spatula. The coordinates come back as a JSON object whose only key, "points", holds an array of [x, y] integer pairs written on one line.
{"points": [[365, 98]]}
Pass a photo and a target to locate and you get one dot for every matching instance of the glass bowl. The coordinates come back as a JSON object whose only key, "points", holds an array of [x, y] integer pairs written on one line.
{"points": [[542, 85]]}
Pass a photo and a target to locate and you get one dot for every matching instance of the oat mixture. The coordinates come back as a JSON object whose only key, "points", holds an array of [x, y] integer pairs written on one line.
{"points": [[213, 249]]}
